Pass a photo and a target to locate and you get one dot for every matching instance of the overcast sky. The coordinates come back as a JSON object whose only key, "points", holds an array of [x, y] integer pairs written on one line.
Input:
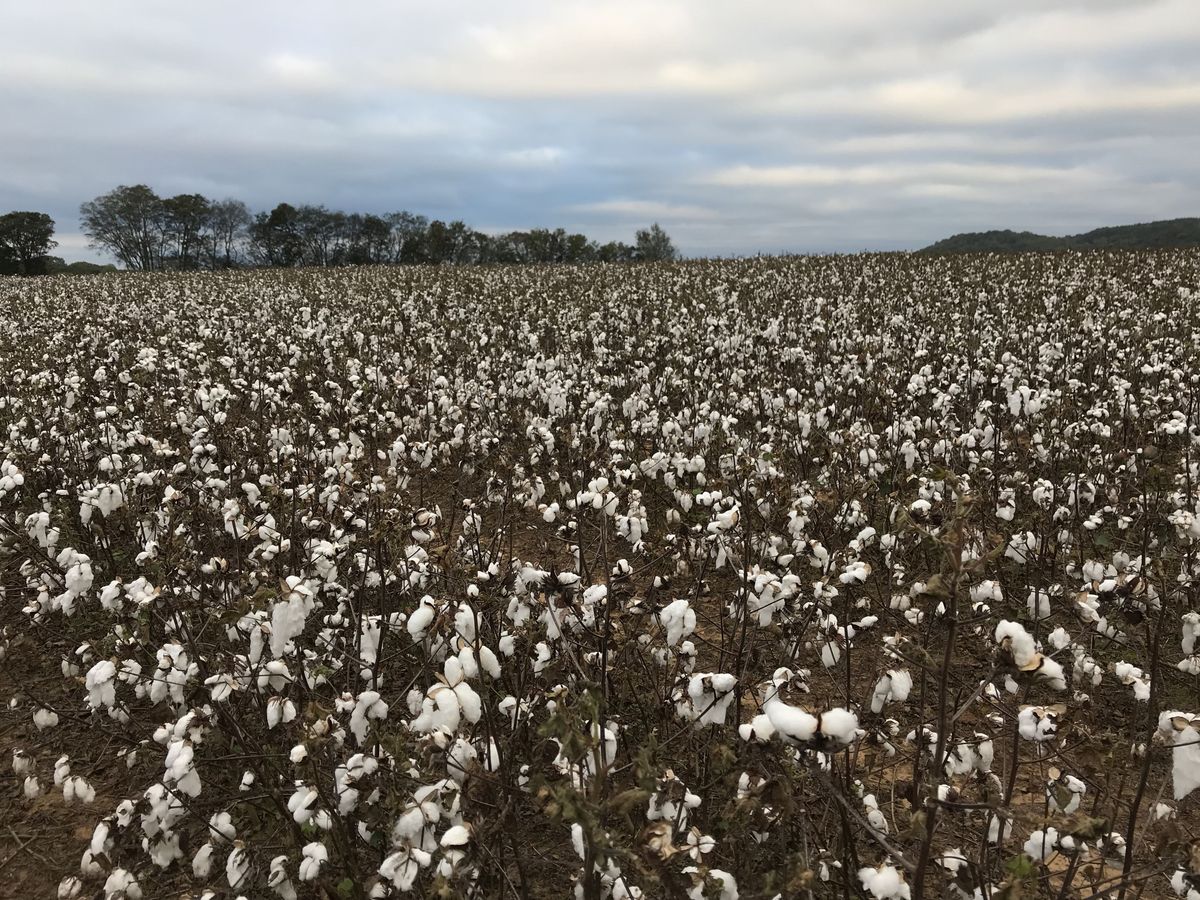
{"points": [[740, 127]]}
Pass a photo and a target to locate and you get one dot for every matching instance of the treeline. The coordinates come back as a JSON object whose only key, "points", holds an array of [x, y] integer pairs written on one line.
{"points": [[189, 231], [1163, 234], [26, 239]]}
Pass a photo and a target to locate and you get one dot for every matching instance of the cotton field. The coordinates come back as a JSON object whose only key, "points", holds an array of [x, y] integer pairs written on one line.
{"points": [[856, 576]]}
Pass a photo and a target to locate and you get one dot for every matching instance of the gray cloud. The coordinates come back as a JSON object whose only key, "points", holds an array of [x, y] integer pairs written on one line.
{"points": [[741, 127]]}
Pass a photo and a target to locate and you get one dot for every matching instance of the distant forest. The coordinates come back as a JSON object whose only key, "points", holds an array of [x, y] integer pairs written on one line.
{"points": [[1145, 236], [146, 232]]}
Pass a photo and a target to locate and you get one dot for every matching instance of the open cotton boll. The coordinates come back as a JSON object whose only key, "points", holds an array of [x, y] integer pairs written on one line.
{"points": [[728, 884], [1018, 641], [884, 883], [1191, 632], [1039, 604], [101, 684], [1037, 723], [792, 723], [315, 856], [121, 885], [202, 861], [237, 866], [839, 725], [22, 764], [44, 718], [1052, 673], [367, 706], [708, 698], [421, 619], [759, 729], [1042, 844], [679, 620], [279, 881], [893, 685], [1183, 730]]}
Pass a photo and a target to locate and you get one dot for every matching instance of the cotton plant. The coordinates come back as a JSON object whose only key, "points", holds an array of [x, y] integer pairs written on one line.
{"points": [[424, 585]]}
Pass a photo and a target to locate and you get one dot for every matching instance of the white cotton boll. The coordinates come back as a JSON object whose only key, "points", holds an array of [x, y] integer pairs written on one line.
{"points": [[69, 888], [447, 711], [22, 764], [839, 725], [1184, 732], [303, 803], [77, 790], [1034, 723], [455, 836], [202, 862], [1042, 844], [1191, 632], [1019, 642], [237, 866], [953, 860], [453, 671], [221, 823], [1074, 790], [995, 828], [403, 867], [894, 685], [1185, 762], [44, 718], [121, 885], [1059, 639], [101, 842], [831, 652], [1052, 673], [315, 856], [791, 722], [884, 883], [759, 729], [729, 888], [31, 787], [489, 662], [101, 685], [280, 710], [278, 880], [1039, 604], [469, 702], [466, 659], [679, 620], [368, 706], [420, 620]]}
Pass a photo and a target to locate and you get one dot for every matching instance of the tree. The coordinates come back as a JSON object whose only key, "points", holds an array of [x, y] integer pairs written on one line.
{"points": [[228, 221], [275, 238], [128, 223], [322, 234], [25, 240], [615, 251], [186, 220], [408, 234], [653, 244]]}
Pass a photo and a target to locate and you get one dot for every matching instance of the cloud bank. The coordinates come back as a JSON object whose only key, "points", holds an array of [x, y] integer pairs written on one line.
{"points": [[757, 126]]}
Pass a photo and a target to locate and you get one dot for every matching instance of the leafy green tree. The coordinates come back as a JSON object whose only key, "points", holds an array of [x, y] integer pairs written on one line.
{"points": [[275, 238], [653, 244], [25, 240], [408, 234], [127, 222], [186, 224], [228, 222]]}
